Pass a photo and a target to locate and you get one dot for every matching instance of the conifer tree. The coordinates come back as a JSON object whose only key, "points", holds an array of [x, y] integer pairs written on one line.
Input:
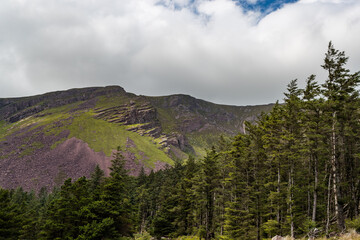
{"points": [[272, 126], [96, 179], [342, 101], [293, 151], [10, 217], [209, 184], [115, 196], [224, 190], [316, 149], [259, 172], [239, 216], [184, 208]]}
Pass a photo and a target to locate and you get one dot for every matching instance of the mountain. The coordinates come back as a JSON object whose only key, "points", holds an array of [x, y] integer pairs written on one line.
{"points": [[47, 138]]}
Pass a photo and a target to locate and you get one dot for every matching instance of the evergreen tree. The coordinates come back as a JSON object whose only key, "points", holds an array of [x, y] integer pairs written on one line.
{"points": [[239, 218], [184, 207], [96, 180], [341, 108], [10, 217], [64, 217], [207, 185], [115, 197], [224, 190], [273, 139]]}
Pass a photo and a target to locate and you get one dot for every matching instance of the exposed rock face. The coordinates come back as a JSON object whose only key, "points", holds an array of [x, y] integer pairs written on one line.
{"points": [[178, 140], [143, 116], [128, 114], [195, 115], [144, 120]]}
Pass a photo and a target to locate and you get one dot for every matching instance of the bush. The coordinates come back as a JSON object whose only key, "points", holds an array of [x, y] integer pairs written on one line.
{"points": [[353, 224], [271, 228], [143, 236]]}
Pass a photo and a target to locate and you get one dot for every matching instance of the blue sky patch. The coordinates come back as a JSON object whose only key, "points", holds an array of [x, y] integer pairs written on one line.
{"points": [[263, 6]]}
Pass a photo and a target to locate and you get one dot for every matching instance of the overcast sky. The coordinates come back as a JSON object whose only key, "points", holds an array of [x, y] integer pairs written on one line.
{"points": [[231, 52]]}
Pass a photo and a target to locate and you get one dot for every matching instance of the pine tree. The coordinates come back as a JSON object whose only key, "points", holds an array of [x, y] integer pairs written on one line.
{"points": [[316, 148], [115, 196], [209, 184], [259, 172], [164, 221], [96, 179], [239, 218], [184, 208], [272, 126], [10, 217], [65, 214], [293, 151], [342, 101], [224, 148]]}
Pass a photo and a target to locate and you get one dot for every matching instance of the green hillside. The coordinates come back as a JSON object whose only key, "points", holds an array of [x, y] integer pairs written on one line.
{"points": [[92, 122]]}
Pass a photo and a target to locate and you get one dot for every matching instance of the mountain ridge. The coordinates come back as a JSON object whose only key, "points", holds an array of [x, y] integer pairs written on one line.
{"points": [[37, 132]]}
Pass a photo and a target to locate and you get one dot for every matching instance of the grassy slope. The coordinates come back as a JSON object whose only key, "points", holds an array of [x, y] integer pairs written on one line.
{"points": [[99, 134], [4, 126], [104, 136]]}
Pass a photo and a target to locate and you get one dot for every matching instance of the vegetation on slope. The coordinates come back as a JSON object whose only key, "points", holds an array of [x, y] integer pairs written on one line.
{"points": [[193, 123], [294, 173], [99, 134]]}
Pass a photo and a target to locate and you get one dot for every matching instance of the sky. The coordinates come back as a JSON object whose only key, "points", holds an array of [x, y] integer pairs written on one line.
{"points": [[237, 52]]}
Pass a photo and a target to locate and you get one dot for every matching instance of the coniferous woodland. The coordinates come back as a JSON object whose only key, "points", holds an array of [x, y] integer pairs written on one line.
{"points": [[296, 172]]}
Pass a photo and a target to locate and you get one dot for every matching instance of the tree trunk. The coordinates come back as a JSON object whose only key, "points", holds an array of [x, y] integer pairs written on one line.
{"points": [[334, 164], [328, 207], [209, 215], [291, 184], [278, 192], [308, 206], [315, 190]]}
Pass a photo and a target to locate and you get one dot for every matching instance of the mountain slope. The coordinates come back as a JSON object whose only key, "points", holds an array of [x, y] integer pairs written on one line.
{"points": [[47, 138]]}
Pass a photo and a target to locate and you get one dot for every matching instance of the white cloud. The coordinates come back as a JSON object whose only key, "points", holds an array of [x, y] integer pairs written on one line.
{"points": [[218, 52]]}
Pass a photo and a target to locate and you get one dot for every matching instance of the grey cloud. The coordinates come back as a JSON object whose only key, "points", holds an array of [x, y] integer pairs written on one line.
{"points": [[232, 57]]}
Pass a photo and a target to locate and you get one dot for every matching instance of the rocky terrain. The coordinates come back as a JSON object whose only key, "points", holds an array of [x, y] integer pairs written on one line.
{"points": [[47, 138]]}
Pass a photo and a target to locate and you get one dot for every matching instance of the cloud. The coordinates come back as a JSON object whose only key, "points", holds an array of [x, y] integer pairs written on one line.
{"points": [[214, 50]]}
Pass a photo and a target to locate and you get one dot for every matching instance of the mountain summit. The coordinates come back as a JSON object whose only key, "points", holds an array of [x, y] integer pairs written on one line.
{"points": [[47, 138]]}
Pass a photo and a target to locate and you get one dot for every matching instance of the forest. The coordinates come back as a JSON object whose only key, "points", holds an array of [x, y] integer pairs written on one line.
{"points": [[295, 172]]}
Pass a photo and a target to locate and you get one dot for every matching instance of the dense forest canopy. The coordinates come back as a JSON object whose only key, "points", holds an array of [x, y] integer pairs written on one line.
{"points": [[295, 172]]}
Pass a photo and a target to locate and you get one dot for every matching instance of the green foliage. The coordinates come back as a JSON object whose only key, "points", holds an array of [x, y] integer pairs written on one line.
{"points": [[112, 101], [115, 196], [188, 238], [166, 118], [294, 172], [143, 236], [271, 227], [97, 230], [10, 216], [353, 224], [4, 127]]}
